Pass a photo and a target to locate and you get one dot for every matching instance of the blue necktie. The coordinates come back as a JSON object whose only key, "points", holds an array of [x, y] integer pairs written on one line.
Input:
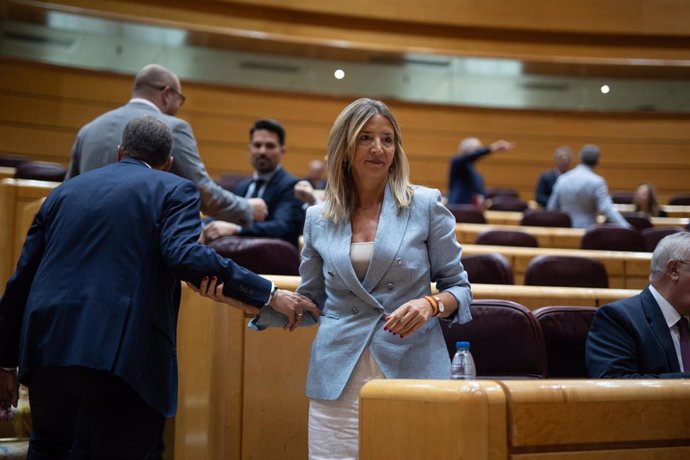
{"points": [[684, 343]]}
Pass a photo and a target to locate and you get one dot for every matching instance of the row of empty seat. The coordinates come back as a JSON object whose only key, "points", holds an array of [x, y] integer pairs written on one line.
{"points": [[25, 168], [510, 341], [607, 237]]}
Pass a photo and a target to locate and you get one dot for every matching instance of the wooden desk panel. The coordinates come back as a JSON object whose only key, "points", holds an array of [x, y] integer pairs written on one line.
{"points": [[545, 419], [7, 172]]}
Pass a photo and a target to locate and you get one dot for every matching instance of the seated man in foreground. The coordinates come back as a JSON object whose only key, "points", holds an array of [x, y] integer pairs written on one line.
{"points": [[646, 336]]}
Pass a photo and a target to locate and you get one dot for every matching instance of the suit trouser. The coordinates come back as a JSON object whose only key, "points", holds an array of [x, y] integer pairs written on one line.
{"points": [[80, 413]]}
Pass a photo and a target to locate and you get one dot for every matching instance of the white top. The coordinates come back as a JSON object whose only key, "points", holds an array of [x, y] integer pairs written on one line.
{"points": [[360, 255], [671, 316]]}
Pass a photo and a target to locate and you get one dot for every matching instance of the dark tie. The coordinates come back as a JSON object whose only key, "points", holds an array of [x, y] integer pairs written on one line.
{"points": [[684, 343], [258, 183]]}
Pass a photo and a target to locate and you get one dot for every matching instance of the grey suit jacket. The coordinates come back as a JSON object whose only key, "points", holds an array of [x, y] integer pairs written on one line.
{"points": [[413, 247], [96, 146], [583, 195]]}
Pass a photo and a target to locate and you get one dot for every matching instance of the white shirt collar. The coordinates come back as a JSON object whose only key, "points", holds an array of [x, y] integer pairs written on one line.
{"points": [[671, 315], [140, 100]]}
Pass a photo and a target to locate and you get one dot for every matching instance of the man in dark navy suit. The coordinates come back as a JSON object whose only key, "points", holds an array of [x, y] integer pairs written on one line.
{"points": [[90, 315], [272, 183], [646, 336]]}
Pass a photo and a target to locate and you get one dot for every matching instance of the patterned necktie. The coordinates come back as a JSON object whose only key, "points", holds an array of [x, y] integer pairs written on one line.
{"points": [[684, 343]]}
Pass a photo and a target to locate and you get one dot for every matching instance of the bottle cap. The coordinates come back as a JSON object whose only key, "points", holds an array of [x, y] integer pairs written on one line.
{"points": [[462, 345]]}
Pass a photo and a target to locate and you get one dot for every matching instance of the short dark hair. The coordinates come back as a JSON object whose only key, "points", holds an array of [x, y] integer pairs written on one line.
{"points": [[589, 155], [271, 125], [147, 139]]}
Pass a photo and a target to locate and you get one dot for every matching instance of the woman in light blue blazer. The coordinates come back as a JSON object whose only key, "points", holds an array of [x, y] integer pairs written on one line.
{"points": [[372, 249]]}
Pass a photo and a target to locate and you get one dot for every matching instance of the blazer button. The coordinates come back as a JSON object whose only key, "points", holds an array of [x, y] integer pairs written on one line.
{"points": [[354, 310], [389, 285]]}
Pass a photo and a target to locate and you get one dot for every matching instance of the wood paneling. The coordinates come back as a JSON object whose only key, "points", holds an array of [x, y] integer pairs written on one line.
{"points": [[48, 104]]}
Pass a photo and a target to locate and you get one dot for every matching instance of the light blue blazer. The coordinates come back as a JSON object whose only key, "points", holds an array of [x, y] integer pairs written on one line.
{"points": [[413, 247]]}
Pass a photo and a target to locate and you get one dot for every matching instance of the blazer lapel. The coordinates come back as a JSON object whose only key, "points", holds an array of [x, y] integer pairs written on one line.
{"points": [[389, 235], [658, 325]]}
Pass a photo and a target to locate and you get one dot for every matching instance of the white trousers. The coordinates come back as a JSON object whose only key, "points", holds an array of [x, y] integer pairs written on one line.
{"points": [[334, 425]]}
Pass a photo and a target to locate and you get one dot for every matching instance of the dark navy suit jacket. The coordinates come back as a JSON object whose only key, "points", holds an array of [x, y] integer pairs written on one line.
{"points": [[464, 179], [97, 283], [630, 339], [285, 218], [545, 185]]}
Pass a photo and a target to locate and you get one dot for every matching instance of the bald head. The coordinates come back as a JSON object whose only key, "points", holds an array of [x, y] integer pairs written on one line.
{"points": [[159, 85], [469, 144]]}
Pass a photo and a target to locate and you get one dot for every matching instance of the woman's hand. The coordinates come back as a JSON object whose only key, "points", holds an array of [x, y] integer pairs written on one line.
{"points": [[409, 317]]}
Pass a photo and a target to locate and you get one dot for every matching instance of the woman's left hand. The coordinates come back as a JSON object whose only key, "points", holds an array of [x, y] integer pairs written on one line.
{"points": [[408, 318]]}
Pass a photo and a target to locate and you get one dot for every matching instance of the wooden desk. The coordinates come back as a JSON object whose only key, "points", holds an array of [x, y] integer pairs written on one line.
{"points": [[15, 194], [626, 270], [525, 420], [514, 218], [7, 172], [671, 211], [548, 237]]}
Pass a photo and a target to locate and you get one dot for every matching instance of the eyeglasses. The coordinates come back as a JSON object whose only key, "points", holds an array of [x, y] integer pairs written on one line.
{"points": [[179, 94]]}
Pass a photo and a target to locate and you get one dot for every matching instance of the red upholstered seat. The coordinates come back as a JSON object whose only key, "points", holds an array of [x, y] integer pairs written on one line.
{"points": [[613, 237], [490, 268], [565, 333], [622, 197], [682, 199], [11, 161], [40, 170], [467, 213], [507, 238], [493, 192], [266, 256], [637, 220], [540, 218], [570, 271], [507, 203], [653, 235], [506, 340]]}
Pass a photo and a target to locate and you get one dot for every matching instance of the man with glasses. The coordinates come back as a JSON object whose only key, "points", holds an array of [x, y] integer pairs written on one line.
{"points": [[646, 336], [157, 92]]}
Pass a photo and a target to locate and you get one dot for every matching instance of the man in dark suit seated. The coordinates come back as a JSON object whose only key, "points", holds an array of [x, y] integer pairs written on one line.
{"points": [[646, 336], [561, 163], [272, 183], [90, 314]]}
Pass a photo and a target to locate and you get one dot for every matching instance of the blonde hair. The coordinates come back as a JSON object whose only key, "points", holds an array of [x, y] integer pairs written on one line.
{"points": [[340, 195]]}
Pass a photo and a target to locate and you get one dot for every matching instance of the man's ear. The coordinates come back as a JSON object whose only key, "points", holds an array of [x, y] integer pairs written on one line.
{"points": [[120, 153], [168, 164]]}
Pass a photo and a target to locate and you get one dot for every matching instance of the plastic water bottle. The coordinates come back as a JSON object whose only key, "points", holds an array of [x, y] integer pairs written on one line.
{"points": [[462, 366]]}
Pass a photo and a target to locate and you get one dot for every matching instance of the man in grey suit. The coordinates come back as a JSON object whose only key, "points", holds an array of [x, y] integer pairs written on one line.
{"points": [[157, 92], [583, 194]]}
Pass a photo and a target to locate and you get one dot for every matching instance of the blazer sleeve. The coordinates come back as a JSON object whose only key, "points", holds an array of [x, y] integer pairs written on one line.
{"points": [[312, 283], [444, 256], [606, 207], [190, 260], [13, 301], [215, 200], [612, 351], [544, 188]]}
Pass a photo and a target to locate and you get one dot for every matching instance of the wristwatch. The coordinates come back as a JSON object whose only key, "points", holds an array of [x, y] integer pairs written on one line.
{"points": [[441, 307]]}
